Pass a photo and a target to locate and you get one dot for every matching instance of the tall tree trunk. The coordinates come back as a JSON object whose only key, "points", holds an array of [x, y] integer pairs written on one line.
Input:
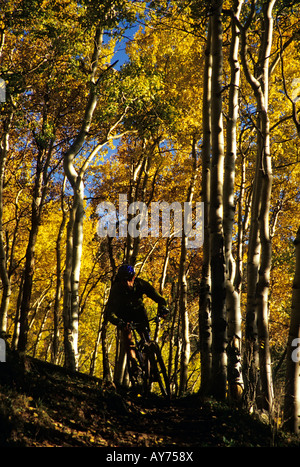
{"points": [[58, 289], [185, 332], [263, 285], [71, 278], [218, 292], [253, 255], [165, 266], [39, 193], [173, 339], [205, 285], [259, 252], [4, 273], [244, 205], [136, 176], [105, 360], [183, 310], [15, 337], [96, 346], [75, 225], [235, 380], [292, 383]]}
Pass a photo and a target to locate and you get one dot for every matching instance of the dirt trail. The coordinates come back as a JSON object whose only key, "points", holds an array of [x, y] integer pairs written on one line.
{"points": [[51, 407]]}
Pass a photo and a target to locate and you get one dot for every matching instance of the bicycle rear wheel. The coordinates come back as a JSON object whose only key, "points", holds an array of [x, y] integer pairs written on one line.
{"points": [[155, 371]]}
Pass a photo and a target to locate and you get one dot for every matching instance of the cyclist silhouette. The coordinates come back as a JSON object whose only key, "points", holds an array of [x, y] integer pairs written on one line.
{"points": [[125, 305]]}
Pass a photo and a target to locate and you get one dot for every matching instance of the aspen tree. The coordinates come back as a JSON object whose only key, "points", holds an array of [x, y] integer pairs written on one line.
{"points": [[218, 292], [292, 383], [4, 273], [205, 286], [42, 177], [75, 225], [235, 380], [74, 229], [58, 288], [183, 309], [259, 251], [109, 18]]}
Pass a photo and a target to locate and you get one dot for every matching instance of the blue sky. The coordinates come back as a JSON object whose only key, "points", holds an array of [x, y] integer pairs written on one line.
{"points": [[120, 52]]}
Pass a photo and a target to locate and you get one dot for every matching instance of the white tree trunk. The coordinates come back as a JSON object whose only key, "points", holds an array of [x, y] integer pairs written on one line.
{"points": [[235, 380], [183, 309], [218, 292], [292, 384], [259, 253], [263, 285], [4, 147], [75, 226], [205, 287]]}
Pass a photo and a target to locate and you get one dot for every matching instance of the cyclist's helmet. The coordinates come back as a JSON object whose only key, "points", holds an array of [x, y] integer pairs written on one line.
{"points": [[126, 272]]}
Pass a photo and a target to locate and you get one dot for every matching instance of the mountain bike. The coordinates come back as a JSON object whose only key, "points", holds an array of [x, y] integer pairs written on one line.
{"points": [[151, 368]]}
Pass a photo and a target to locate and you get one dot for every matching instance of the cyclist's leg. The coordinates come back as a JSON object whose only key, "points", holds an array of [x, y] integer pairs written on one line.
{"points": [[154, 369], [130, 350], [144, 331], [144, 335], [131, 345], [143, 356]]}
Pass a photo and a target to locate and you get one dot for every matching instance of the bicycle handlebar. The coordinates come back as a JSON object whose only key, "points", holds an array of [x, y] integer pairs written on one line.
{"points": [[156, 318]]}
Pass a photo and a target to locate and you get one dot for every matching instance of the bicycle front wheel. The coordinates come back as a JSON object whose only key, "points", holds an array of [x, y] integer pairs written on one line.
{"points": [[155, 371]]}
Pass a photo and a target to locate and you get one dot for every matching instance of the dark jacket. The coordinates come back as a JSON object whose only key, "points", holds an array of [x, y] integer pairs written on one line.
{"points": [[126, 304]]}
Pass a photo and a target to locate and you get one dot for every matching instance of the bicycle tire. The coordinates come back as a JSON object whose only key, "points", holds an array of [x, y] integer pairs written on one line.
{"points": [[147, 372], [130, 374], [156, 371]]}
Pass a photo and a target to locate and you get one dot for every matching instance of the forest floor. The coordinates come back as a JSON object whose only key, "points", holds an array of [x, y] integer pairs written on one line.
{"points": [[46, 406]]}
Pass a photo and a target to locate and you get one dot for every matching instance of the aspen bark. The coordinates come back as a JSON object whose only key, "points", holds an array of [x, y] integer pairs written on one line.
{"points": [[205, 286], [235, 380], [259, 252], [253, 255], [4, 273], [39, 193], [263, 285], [58, 289], [183, 310], [292, 383], [185, 337], [218, 292], [75, 225], [165, 266]]}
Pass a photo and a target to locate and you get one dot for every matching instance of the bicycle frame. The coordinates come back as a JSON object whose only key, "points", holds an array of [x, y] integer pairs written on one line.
{"points": [[134, 326], [150, 360]]}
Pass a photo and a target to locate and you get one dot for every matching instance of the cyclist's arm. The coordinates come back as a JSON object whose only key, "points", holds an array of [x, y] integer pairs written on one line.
{"points": [[110, 309], [112, 317], [150, 291], [115, 320]]}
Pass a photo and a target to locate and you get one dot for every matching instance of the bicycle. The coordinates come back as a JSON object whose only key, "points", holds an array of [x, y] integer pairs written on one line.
{"points": [[151, 367]]}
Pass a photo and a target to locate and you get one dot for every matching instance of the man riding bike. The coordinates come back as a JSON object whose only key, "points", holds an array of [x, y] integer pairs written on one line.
{"points": [[125, 305]]}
